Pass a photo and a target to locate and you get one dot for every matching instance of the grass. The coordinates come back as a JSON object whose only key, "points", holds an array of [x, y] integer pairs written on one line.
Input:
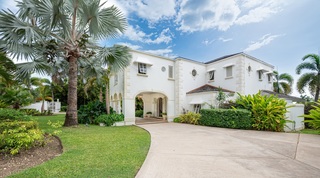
{"points": [[94, 151], [310, 131]]}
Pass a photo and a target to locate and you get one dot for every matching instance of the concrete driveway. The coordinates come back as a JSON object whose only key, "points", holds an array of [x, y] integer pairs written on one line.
{"points": [[183, 150]]}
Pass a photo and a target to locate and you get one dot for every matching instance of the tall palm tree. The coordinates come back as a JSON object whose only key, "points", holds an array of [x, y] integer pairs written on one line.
{"points": [[283, 83], [49, 30], [310, 79]]}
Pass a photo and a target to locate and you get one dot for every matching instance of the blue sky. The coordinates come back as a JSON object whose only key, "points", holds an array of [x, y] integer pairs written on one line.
{"points": [[279, 32]]}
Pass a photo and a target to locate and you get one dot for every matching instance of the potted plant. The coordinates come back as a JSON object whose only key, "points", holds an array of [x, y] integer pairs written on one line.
{"points": [[164, 116], [101, 120], [149, 114]]}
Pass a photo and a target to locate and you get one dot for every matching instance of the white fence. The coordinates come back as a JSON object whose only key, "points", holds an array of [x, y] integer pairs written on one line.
{"points": [[54, 107]]}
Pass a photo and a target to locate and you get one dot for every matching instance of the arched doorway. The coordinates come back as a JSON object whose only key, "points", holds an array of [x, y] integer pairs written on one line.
{"points": [[153, 104]]}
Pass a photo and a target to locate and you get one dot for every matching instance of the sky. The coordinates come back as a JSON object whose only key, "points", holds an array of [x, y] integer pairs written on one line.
{"points": [[279, 32]]}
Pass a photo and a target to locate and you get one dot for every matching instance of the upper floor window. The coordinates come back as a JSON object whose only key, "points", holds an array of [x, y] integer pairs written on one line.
{"points": [[229, 71], [260, 74], [211, 75], [170, 72], [142, 68]]}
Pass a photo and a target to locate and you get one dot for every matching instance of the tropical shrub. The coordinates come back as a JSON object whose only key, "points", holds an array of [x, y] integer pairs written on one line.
{"points": [[190, 118], [7, 114], [268, 112], [17, 135], [3, 104], [226, 118], [307, 108], [31, 112], [314, 116], [87, 113], [139, 113], [177, 120]]}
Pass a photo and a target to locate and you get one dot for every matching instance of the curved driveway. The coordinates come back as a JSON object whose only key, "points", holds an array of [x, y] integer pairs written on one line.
{"points": [[183, 150]]}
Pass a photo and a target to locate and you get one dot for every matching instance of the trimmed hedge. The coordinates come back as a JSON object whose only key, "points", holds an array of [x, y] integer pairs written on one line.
{"points": [[17, 135], [227, 118]]}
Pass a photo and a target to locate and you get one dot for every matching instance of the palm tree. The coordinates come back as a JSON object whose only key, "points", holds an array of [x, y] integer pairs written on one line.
{"points": [[283, 83], [310, 79], [47, 31], [44, 86]]}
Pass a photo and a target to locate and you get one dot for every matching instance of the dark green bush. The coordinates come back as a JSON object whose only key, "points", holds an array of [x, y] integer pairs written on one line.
{"points": [[109, 119], [227, 118], [87, 113], [63, 108], [7, 114], [139, 113], [17, 135], [268, 112], [307, 108]]}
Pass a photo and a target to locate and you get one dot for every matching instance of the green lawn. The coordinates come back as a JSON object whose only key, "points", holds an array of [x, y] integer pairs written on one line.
{"points": [[310, 131], [94, 151]]}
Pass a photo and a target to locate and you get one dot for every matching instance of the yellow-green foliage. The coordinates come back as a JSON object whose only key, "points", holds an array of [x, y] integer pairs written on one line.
{"points": [[268, 112], [190, 118], [17, 135], [314, 115]]}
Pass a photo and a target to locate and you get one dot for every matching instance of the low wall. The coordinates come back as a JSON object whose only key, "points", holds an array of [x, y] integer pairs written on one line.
{"points": [[294, 111]]}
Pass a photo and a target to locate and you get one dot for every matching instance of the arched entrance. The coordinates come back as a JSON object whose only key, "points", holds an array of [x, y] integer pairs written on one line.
{"points": [[154, 104]]}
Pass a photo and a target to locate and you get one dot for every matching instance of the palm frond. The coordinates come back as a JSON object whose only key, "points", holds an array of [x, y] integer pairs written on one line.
{"points": [[306, 65], [24, 70], [116, 58], [305, 81], [101, 23], [286, 77]]}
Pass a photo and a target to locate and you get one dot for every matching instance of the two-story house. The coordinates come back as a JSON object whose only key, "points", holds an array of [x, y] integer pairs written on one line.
{"points": [[178, 85]]}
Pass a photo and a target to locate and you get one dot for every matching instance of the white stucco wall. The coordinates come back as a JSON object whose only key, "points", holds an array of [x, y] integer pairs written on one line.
{"points": [[294, 111], [252, 82], [188, 82]]}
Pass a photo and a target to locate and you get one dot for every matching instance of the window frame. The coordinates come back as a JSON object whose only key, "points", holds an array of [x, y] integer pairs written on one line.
{"points": [[142, 68], [211, 76], [231, 69], [170, 71]]}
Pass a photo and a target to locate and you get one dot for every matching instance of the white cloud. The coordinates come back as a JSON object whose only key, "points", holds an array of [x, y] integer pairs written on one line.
{"points": [[195, 15], [265, 40], [132, 46], [225, 39], [259, 10], [207, 42], [136, 34], [166, 52], [152, 10]]}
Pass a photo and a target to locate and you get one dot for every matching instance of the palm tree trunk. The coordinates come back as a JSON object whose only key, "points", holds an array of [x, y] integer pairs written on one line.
{"points": [[107, 99], [316, 97], [71, 114], [42, 106]]}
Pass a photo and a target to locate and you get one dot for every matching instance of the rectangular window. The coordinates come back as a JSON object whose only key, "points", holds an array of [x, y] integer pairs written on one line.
{"points": [[269, 77], [211, 75], [170, 72], [142, 68], [197, 108], [228, 71], [260, 74], [116, 79]]}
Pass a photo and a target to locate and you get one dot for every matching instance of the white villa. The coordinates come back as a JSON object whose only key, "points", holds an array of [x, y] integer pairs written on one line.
{"points": [[177, 85]]}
